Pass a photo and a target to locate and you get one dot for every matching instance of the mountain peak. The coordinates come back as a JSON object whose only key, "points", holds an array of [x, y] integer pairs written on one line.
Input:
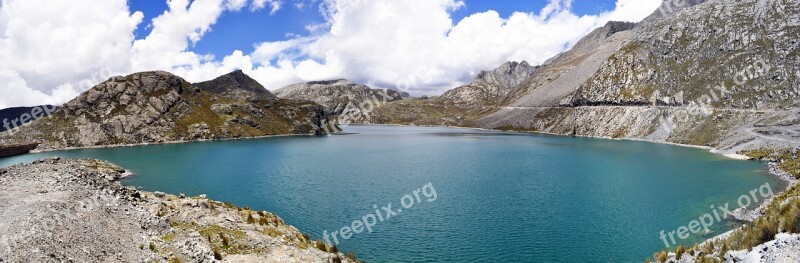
{"points": [[235, 83], [489, 86], [508, 75], [670, 7], [600, 34]]}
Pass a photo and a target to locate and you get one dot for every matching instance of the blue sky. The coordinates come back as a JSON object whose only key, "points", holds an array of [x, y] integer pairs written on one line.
{"points": [[240, 30]]}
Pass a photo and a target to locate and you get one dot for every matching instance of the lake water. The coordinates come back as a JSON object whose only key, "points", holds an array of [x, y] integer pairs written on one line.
{"points": [[500, 197]]}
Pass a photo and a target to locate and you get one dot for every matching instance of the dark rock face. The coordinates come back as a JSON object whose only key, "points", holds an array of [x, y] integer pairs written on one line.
{"points": [[339, 96], [18, 116], [491, 86], [17, 149], [235, 84], [153, 107]]}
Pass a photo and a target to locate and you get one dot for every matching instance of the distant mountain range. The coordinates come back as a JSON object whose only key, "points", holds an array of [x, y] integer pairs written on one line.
{"points": [[340, 96], [736, 61]]}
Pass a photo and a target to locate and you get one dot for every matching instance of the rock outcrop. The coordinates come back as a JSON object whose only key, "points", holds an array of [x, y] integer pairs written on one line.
{"points": [[157, 107], [339, 96], [65, 210], [17, 149], [489, 87]]}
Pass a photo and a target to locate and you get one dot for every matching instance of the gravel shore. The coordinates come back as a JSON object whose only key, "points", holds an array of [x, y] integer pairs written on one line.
{"points": [[75, 210]]}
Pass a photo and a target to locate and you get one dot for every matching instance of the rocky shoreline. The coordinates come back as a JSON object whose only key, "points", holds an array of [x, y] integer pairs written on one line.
{"points": [[56, 210]]}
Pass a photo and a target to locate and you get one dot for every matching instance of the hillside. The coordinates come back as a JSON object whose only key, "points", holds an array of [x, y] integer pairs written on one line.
{"points": [[157, 107], [461, 105], [720, 74]]}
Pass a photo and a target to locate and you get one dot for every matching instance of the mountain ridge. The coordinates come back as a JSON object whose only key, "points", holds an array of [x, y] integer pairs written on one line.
{"points": [[339, 96], [157, 107]]}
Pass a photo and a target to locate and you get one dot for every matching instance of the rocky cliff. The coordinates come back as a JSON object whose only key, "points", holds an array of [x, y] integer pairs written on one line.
{"points": [[155, 107], [489, 87], [339, 96]]}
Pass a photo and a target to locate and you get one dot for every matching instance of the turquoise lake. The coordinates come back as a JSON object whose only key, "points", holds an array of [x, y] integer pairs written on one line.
{"points": [[500, 197]]}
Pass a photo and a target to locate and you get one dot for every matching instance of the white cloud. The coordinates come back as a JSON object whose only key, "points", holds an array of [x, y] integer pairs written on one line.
{"points": [[274, 5], [171, 30], [236, 5], [48, 44], [48, 47]]}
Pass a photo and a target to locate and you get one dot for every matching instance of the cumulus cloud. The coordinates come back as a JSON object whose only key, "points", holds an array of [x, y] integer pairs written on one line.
{"points": [[51, 50], [48, 47]]}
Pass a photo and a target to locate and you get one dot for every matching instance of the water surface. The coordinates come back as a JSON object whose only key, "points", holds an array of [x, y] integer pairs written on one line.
{"points": [[500, 196]]}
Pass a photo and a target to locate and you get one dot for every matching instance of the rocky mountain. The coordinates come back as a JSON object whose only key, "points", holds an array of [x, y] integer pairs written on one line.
{"points": [[670, 7], [339, 96], [154, 107], [561, 76], [489, 87], [719, 73]]}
